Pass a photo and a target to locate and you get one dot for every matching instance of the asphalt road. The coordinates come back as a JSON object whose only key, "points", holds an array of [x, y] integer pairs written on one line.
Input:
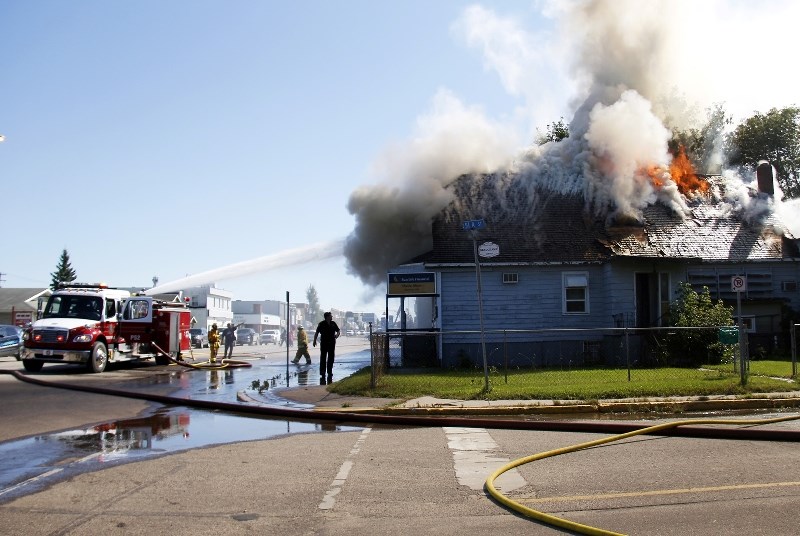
{"points": [[395, 480]]}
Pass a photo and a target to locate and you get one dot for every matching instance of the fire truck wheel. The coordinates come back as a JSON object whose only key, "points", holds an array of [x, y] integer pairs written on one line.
{"points": [[99, 358], [32, 366]]}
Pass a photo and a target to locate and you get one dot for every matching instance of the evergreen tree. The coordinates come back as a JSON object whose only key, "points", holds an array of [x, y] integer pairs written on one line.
{"points": [[64, 272], [314, 312]]}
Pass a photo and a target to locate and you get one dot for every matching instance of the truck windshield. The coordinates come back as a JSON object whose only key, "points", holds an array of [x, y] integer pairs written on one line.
{"points": [[68, 306]]}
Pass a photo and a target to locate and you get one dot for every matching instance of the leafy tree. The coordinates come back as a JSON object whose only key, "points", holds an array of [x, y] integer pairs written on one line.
{"points": [[64, 272], [774, 136], [314, 311], [704, 145], [693, 309], [556, 131]]}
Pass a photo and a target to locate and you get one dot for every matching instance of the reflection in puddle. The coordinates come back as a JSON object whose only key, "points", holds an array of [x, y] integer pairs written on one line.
{"points": [[27, 465], [224, 384]]}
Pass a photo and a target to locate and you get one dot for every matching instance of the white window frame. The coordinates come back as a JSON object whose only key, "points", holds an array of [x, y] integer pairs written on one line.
{"points": [[510, 278], [749, 322], [573, 280]]}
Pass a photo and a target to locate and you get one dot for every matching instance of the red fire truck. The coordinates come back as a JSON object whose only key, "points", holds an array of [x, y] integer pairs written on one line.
{"points": [[92, 325]]}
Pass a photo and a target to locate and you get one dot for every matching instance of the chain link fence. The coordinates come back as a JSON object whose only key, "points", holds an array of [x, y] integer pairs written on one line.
{"points": [[634, 352]]}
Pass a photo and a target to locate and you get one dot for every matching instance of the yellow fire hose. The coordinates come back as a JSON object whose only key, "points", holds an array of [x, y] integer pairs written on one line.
{"points": [[578, 527], [207, 365]]}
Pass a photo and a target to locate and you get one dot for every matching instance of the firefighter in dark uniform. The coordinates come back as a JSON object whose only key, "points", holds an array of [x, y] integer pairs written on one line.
{"points": [[329, 332]]}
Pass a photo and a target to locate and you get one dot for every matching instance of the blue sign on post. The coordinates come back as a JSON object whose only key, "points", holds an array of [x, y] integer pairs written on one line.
{"points": [[473, 224]]}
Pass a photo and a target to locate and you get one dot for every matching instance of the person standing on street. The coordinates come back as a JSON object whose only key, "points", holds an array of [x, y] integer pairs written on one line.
{"points": [[329, 332], [229, 338], [213, 343], [302, 346]]}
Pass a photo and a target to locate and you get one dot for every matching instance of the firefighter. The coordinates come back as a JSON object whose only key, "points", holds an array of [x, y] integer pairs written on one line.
{"points": [[229, 339], [302, 346], [213, 343]]}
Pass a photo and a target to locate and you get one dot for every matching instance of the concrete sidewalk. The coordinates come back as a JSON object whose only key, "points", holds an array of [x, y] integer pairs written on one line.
{"points": [[321, 399]]}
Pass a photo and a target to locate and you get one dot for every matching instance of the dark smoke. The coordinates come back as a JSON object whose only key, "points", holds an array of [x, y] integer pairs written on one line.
{"points": [[626, 56]]}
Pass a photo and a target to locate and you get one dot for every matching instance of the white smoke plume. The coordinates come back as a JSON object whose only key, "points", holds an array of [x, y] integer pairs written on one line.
{"points": [[636, 70]]}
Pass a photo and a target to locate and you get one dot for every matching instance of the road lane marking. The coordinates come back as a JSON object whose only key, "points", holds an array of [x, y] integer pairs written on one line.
{"points": [[31, 480], [329, 501], [630, 494], [475, 457]]}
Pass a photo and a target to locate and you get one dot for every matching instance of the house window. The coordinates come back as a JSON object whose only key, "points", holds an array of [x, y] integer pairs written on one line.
{"points": [[759, 284], [576, 292], [510, 278], [749, 323]]}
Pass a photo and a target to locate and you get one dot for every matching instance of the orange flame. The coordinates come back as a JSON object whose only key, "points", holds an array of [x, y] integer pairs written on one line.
{"points": [[682, 172]]}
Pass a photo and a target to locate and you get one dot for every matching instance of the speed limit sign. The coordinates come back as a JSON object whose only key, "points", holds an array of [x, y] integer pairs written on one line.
{"points": [[738, 283]]}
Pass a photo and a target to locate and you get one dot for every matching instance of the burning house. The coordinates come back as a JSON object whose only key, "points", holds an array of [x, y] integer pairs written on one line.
{"points": [[594, 231], [557, 264]]}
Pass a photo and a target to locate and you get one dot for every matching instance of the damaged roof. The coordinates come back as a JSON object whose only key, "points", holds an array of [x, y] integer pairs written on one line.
{"points": [[558, 228]]}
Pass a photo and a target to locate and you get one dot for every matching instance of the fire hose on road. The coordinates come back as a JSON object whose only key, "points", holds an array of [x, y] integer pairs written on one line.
{"points": [[586, 529], [206, 365], [684, 428]]}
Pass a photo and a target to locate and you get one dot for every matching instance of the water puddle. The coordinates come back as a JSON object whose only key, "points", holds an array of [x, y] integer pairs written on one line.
{"points": [[28, 465], [223, 385]]}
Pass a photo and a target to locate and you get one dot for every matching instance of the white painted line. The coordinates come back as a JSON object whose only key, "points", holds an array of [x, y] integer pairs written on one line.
{"points": [[24, 483], [329, 501], [475, 457]]}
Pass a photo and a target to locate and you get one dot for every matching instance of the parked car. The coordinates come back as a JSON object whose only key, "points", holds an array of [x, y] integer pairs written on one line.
{"points": [[246, 336], [199, 337], [10, 341], [269, 336]]}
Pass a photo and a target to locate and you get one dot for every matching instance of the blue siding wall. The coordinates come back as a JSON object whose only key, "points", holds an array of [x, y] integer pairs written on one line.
{"points": [[535, 302]]}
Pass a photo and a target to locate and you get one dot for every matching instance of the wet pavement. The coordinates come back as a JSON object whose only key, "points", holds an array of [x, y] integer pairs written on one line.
{"points": [[266, 373], [29, 464]]}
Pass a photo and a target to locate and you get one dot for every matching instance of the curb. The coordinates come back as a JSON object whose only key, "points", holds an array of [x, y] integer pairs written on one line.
{"points": [[549, 408]]}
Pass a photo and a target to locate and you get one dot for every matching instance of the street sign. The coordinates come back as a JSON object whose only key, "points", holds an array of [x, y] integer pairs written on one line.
{"points": [[412, 284], [738, 283], [488, 249], [470, 225]]}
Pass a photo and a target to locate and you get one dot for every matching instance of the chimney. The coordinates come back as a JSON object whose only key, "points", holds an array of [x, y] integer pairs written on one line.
{"points": [[765, 178]]}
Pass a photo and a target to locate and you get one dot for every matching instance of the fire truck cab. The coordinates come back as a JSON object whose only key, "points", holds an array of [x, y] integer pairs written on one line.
{"points": [[91, 325]]}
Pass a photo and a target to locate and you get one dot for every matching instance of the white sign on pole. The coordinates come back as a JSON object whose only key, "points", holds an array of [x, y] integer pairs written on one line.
{"points": [[488, 249], [738, 283]]}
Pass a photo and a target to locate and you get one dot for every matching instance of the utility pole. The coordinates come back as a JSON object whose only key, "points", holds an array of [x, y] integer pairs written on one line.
{"points": [[287, 338]]}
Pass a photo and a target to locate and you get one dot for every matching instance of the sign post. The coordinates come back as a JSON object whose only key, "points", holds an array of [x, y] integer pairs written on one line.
{"points": [[739, 285], [287, 338], [473, 226]]}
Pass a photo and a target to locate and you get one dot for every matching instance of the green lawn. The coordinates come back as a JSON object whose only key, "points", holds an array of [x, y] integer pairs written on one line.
{"points": [[576, 384], [773, 368]]}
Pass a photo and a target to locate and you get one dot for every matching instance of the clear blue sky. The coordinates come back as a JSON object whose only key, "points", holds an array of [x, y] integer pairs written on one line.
{"points": [[168, 139]]}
